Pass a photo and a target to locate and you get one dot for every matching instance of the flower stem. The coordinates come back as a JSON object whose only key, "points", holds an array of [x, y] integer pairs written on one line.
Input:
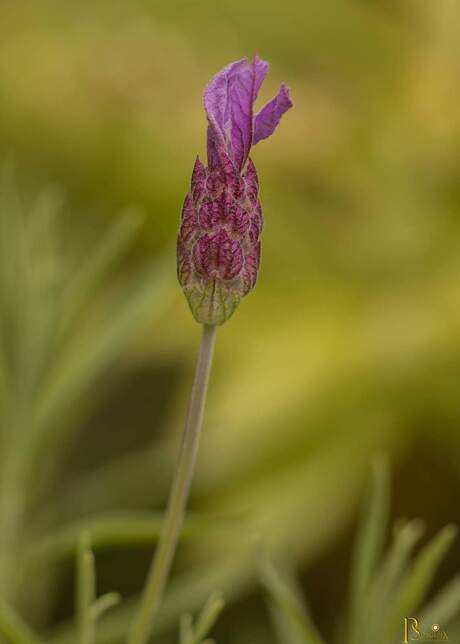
{"points": [[161, 564]]}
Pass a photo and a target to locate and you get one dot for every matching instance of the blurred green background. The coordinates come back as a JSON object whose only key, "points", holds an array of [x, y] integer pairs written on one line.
{"points": [[349, 346]]}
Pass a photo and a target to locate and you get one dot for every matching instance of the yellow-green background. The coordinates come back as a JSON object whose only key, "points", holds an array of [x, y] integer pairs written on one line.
{"points": [[348, 347]]}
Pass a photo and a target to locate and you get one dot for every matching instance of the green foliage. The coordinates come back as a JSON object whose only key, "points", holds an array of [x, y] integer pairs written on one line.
{"points": [[386, 581], [288, 608], [385, 588], [118, 530], [49, 364], [88, 608], [13, 627], [369, 545], [191, 633]]}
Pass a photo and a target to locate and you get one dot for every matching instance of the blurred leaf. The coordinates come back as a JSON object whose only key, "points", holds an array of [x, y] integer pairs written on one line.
{"points": [[28, 281], [125, 529], [104, 603], [90, 356], [384, 584], [291, 616], [415, 585], [152, 466], [88, 608], [98, 265], [445, 605], [207, 618], [29, 276], [186, 629], [196, 633], [369, 542], [185, 594], [13, 628]]}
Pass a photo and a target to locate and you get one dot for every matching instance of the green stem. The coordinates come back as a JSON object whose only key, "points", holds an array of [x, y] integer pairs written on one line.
{"points": [[161, 564], [86, 591]]}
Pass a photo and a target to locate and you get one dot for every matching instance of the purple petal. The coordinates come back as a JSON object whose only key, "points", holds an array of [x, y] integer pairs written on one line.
{"points": [[228, 101], [267, 119]]}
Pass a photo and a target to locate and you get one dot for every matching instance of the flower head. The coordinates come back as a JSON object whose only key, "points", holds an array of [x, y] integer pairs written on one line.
{"points": [[218, 247]]}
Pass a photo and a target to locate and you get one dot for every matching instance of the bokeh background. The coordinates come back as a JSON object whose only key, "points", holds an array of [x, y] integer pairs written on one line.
{"points": [[348, 348]]}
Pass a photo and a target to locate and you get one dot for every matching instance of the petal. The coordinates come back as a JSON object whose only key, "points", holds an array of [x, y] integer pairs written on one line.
{"points": [[228, 101], [216, 97], [267, 119]]}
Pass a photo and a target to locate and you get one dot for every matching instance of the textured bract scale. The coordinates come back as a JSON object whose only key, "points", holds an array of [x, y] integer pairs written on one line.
{"points": [[218, 246], [218, 249]]}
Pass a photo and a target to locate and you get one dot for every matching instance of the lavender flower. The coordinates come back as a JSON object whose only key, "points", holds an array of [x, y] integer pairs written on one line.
{"points": [[218, 247]]}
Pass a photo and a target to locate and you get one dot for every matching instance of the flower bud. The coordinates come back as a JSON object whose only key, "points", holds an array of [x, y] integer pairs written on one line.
{"points": [[218, 246], [218, 249]]}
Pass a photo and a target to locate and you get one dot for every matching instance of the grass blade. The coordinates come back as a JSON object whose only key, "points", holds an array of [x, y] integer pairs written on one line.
{"points": [[104, 603], [415, 586], [123, 529], [114, 244], [185, 594], [383, 586], [83, 363], [13, 628], [85, 591], [291, 617], [208, 617], [186, 629], [445, 606], [369, 543]]}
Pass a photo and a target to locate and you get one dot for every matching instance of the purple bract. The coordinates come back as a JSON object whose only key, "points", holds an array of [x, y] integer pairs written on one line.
{"points": [[218, 247]]}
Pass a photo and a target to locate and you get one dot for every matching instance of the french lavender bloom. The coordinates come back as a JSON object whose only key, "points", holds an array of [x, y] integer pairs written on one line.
{"points": [[218, 246]]}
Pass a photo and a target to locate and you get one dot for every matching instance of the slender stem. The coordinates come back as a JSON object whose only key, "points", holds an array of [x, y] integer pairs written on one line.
{"points": [[161, 564], [86, 590]]}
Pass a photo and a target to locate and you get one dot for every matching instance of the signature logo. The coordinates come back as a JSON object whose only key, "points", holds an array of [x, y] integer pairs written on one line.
{"points": [[414, 632]]}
